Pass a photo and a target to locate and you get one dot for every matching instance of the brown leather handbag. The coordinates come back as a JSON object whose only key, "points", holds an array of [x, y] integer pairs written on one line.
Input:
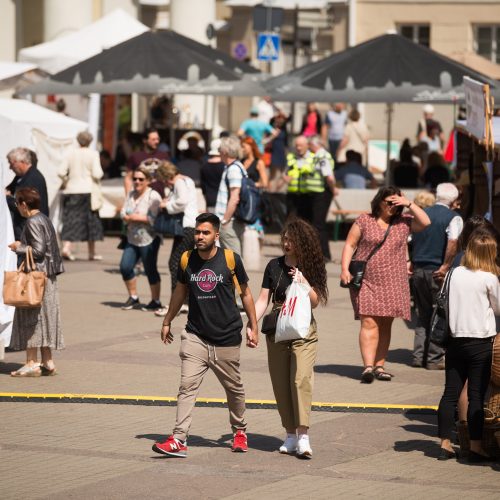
{"points": [[25, 287]]}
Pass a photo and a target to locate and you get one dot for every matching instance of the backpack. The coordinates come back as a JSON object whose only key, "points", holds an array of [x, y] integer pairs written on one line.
{"points": [[230, 262], [249, 205], [440, 321]]}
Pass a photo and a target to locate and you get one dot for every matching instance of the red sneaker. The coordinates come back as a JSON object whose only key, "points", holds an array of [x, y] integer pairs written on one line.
{"points": [[172, 447], [240, 442]]}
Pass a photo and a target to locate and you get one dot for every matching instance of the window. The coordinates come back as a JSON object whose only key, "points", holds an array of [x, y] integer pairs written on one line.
{"points": [[418, 33], [487, 42]]}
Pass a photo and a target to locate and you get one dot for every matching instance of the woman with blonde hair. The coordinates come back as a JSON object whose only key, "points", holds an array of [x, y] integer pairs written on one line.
{"points": [[424, 199], [180, 198], [474, 299], [142, 242]]}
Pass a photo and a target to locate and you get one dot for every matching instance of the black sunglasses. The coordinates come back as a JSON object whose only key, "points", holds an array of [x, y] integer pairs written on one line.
{"points": [[139, 179]]}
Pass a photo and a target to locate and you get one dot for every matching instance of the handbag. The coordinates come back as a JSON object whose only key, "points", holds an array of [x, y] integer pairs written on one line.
{"points": [[357, 267], [96, 196], [25, 287], [294, 320], [270, 320], [169, 224], [440, 327]]}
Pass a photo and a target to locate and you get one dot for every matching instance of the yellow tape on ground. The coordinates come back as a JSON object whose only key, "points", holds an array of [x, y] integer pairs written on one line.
{"points": [[124, 397]]}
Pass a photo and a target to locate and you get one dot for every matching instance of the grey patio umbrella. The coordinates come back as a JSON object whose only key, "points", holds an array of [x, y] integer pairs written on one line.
{"points": [[161, 62], [389, 68]]}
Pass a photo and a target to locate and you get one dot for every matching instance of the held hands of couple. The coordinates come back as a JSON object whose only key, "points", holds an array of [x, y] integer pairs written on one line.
{"points": [[252, 335]]}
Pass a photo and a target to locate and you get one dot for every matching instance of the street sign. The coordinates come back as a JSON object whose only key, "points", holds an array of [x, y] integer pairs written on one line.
{"points": [[240, 51], [268, 46]]}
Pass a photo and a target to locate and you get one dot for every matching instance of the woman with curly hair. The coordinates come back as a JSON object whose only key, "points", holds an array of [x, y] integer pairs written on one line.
{"points": [[385, 292], [291, 362]]}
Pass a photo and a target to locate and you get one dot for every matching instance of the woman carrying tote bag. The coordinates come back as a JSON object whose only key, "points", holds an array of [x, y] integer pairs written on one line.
{"points": [[38, 327], [291, 363]]}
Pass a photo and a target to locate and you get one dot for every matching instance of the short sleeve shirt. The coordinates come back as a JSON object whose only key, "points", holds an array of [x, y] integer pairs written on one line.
{"points": [[234, 175], [213, 314], [256, 129], [276, 278]]}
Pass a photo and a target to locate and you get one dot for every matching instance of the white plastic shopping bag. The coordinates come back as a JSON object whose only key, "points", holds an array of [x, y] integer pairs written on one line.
{"points": [[295, 315]]}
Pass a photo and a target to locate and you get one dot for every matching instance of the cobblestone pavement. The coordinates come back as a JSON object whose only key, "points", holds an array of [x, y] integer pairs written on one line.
{"points": [[56, 450]]}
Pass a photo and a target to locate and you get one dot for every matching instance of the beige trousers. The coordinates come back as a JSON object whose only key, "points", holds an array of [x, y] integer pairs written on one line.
{"points": [[291, 366], [197, 357]]}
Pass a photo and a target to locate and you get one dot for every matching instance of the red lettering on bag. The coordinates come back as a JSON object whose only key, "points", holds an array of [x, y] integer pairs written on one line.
{"points": [[291, 307]]}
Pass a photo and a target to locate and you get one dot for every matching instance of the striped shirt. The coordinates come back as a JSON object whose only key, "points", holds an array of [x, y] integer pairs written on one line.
{"points": [[234, 175]]}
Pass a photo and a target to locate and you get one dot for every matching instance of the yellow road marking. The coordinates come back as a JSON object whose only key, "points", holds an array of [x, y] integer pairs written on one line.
{"points": [[123, 397]]}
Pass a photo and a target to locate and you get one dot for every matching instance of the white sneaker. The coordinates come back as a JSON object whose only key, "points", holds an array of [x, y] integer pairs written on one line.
{"points": [[289, 446], [303, 447]]}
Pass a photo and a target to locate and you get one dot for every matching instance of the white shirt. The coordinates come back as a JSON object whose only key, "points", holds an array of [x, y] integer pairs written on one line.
{"points": [[473, 302], [80, 168], [183, 199], [234, 175], [454, 228]]}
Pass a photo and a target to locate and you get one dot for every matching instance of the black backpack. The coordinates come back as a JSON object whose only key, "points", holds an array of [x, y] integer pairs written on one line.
{"points": [[248, 208]]}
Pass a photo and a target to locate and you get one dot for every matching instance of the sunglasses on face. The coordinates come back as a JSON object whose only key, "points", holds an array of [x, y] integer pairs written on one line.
{"points": [[138, 179]]}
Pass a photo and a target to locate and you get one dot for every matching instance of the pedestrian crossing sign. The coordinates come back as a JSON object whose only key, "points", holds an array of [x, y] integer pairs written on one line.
{"points": [[268, 46]]}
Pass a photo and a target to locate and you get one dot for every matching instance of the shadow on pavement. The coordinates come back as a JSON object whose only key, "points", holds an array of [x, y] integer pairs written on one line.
{"points": [[349, 371], [259, 442], [430, 448], [400, 356], [110, 303], [6, 368]]}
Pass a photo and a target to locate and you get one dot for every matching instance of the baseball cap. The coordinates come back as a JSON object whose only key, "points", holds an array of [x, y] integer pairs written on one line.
{"points": [[254, 110], [428, 108]]}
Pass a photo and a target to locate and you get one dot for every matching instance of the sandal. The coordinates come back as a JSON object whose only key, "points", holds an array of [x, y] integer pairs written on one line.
{"points": [[68, 256], [48, 372], [381, 374], [367, 377], [27, 371]]}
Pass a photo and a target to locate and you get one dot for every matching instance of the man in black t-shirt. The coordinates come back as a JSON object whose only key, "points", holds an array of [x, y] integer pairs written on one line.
{"points": [[212, 336]]}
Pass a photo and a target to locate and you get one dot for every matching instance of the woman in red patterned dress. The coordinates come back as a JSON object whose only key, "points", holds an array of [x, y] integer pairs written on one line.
{"points": [[384, 293]]}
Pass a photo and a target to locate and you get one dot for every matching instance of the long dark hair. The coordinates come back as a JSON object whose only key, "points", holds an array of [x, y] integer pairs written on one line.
{"points": [[310, 260], [381, 195]]}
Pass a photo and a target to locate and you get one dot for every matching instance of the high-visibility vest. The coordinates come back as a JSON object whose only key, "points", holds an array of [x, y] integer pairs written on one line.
{"points": [[296, 173], [312, 180]]}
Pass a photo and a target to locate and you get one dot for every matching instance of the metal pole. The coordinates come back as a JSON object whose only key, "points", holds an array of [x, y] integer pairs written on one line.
{"points": [[294, 53], [388, 173]]}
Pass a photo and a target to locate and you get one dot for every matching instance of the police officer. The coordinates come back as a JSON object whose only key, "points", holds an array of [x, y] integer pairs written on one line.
{"points": [[319, 188], [298, 163]]}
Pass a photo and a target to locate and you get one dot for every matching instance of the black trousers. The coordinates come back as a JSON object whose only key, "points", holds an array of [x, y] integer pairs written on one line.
{"points": [[466, 359], [425, 289]]}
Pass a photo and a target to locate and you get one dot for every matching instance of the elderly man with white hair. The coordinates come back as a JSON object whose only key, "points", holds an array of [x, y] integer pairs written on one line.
{"points": [[433, 251]]}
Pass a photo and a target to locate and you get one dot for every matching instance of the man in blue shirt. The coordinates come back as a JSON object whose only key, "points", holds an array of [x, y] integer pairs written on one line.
{"points": [[353, 175], [261, 132]]}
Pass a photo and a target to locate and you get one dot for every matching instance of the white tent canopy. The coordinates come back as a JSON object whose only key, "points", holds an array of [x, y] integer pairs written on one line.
{"points": [[11, 69], [24, 124], [68, 50]]}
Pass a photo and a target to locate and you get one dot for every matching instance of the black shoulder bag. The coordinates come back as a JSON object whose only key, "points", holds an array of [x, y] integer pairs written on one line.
{"points": [[440, 326], [357, 267], [269, 321]]}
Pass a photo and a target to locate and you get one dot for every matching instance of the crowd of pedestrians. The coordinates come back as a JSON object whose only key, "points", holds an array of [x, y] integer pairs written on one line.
{"points": [[406, 249]]}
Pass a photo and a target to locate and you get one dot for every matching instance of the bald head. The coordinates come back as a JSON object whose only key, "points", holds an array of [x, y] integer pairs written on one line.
{"points": [[301, 145]]}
